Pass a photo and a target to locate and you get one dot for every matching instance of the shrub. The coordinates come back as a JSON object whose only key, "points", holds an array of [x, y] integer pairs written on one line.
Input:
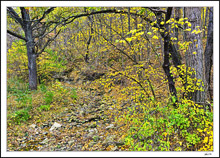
{"points": [[48, 97], [44, 108], [20, 115]]}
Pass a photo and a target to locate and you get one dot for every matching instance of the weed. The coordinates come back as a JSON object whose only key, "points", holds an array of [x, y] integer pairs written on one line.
{"points": [[48, 97], [20, 115], [44, 108]]}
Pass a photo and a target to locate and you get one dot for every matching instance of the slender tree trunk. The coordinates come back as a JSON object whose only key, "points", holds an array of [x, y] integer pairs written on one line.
{"points": [[195, 50], [176, 31], [166, 64], [205, 24], [110, 30], [209, 53]]}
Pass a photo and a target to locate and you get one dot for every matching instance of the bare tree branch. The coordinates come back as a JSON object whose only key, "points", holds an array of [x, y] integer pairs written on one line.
{"points": [[16, 35], [156, 10], [43, 16], [14, 15], [48, 42]]}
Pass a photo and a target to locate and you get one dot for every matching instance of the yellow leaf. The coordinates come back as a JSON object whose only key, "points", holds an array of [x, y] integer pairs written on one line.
{"points": [[128, 39], [149, 33], [167, 21], [189, 24], [194, 53], [187, 29], [155, 37], [181, 19]]}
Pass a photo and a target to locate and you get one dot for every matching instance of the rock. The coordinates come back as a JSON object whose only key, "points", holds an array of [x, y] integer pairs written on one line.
{"points": [[78, 125], [82, 112], [71, 142], [92, 143], [24, 138], [109, 139], [102, 106], [55, 125], [45, 125], [109, 90], [45, 141], [110, 108], [33, 126], [114, 148], [23, 145], [45, 133], [110, 126]]}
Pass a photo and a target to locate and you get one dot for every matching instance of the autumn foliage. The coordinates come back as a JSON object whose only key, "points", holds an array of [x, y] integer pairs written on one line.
{"points": [[126, 86]]}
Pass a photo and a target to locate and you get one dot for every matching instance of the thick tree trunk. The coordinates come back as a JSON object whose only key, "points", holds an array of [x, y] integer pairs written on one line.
{"points": [[32, 66], [209, 54], [195, 50]]}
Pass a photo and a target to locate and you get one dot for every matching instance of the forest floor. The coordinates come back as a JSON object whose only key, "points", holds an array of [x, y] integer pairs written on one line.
{"points": [[85, 125]]}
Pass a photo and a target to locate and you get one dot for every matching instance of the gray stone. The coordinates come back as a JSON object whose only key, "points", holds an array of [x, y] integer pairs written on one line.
{"points": [[45, 133], [71, 142], [45, 141], [114, 148], [110, 126], [92, 143], [33, 126], [109, 139], [55, 125]]}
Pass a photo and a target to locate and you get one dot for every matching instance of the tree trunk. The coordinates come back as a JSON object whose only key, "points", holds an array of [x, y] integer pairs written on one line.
{"points": [[32, 66], [166, 64], [209, 54], [206, 16], [176, 30], [195, 50]]}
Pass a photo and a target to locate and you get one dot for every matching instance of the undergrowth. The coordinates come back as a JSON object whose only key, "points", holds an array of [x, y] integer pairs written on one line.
{"points": [[24, 105], [151, 121]]}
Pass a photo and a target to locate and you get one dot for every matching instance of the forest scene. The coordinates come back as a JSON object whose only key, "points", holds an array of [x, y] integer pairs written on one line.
{"points": [[110, 79]]}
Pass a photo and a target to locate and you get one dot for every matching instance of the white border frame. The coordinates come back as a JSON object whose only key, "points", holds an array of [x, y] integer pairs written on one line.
{"points": [[4, 4]]}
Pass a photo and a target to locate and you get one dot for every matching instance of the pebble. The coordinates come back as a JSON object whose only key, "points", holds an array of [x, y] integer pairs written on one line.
{"points": [[110, 126]]}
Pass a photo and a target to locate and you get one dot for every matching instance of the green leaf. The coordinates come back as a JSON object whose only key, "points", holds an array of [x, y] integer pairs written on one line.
{"points": [[142, 10], [173, 98]]}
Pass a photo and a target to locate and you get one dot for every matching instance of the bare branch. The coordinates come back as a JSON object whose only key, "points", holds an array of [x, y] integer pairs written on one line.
{"points": [[14, 15], [43, 16], [16, 35], [156, 10], [48, 42]]}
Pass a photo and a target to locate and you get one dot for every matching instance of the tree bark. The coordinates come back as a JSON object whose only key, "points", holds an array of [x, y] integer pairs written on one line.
{"points": [[176, 31], [206, 15], [166, 64], [195, 50], [32, 66], [209, 54]]}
